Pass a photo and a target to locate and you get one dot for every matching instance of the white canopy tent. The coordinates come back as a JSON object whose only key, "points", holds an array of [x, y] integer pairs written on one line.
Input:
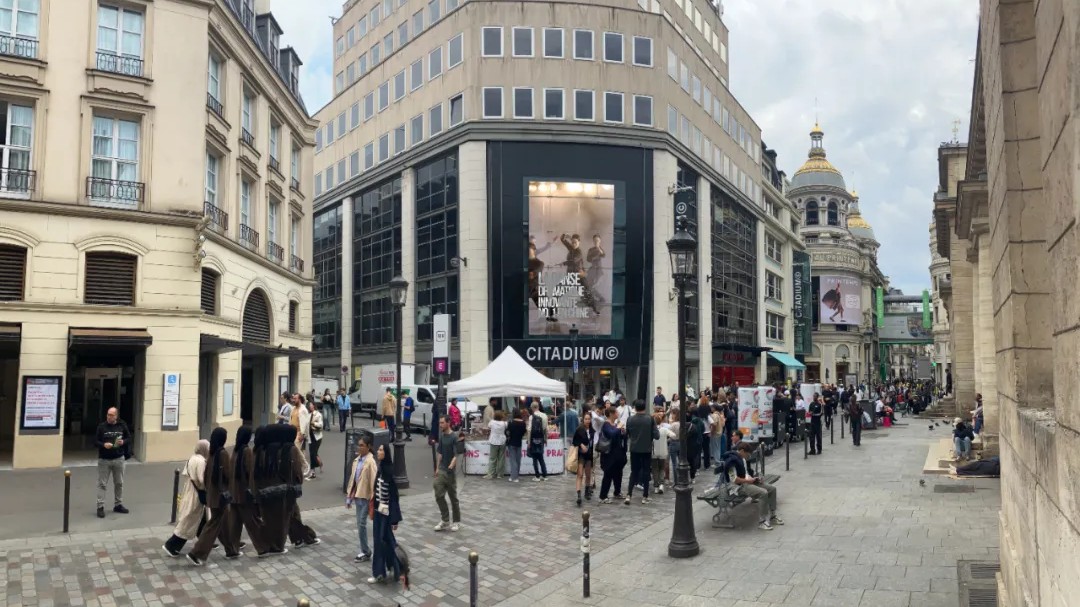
{"points": [[507, 375]]}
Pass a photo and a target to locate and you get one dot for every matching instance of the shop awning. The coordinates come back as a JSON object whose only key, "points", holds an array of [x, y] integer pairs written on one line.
{"points": [[109, 338], [787, 360], [213, 343]]}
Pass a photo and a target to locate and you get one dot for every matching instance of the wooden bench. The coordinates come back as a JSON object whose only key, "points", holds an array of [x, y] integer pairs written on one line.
{"points": [[728, 497]]}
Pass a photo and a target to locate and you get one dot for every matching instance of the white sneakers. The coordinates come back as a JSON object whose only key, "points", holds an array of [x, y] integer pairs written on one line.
{"points": [[443, 526]]}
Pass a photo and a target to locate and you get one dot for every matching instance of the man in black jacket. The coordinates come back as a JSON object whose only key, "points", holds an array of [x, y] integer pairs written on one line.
{"points": [[113, 441], [816, 411], [641, 431]]}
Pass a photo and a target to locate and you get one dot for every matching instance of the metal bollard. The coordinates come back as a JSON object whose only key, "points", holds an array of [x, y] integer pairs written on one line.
{"points": [[832, 431], [787, 454], [806, 446], [474, 583], [67, 499], [585, 548], [175, 494], [843, 422]]}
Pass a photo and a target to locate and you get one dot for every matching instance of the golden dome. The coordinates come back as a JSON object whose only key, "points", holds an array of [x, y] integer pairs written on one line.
{"points": [[817, 130], [856, 221], [817, 162], [854, 194]]}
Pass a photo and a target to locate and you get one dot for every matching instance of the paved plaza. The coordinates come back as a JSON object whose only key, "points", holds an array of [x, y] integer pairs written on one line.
{"points": [[860, 530]]}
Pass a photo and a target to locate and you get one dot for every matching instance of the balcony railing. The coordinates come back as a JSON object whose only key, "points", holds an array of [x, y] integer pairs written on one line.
{"points": [[275, 252], [247, 137], [249, 236], [219, 219], [17, 181], [215, 106], [295, 184], [18, 47], [125, 193], [275, 164], [117, 64], [297, 264]]}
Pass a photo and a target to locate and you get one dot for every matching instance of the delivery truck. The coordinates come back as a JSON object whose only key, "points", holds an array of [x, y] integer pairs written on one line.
{"points": [[366, 392]]}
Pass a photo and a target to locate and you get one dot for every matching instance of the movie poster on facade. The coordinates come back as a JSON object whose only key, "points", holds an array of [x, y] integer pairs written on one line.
{"points": [[840, 300], [570, 252]]}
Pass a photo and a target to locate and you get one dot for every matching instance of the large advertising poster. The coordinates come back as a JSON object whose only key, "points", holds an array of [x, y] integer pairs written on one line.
{"points": [[904, 327], [571, 228], [841, 300], [802, 310]]}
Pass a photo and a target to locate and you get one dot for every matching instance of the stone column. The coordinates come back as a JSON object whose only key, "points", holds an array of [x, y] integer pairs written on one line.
{"points": [[408, 264], [984, 331], [347, 231], [977, 342], [473, 299], [664, 357], [705, 300], [962, 336]]}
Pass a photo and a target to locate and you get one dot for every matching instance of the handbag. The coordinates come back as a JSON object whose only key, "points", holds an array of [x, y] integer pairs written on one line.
{"points": [[603, 445], [572, 460], [200, 492]]}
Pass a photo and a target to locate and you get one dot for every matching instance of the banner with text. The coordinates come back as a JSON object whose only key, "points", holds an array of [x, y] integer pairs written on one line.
{"points": [[841, 300], [803, 309]]}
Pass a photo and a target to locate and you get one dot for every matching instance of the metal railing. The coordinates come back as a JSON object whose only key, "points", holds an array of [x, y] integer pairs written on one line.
{"points": [[17, 181], [275, 252], [119, 64], [297, 264], [18, 47], [219, 219], [275, 164], [247, 137], [215, 106], [249, 236], [295, 184], [112, 190]]}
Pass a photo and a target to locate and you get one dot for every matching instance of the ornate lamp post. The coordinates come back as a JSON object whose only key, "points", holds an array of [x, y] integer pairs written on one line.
{"points": [[682, 248], [399, 291]]}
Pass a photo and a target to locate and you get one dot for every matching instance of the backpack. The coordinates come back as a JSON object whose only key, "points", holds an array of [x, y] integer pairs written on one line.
{"points": [[537, 436], [697, 428]]}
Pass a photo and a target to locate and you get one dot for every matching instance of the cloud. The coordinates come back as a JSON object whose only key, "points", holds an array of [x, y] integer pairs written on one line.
{"points": [[889, 78], [308, 29]]}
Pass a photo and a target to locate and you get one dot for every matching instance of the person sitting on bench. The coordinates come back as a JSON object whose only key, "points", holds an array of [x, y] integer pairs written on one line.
{"points": [[755, 488]]}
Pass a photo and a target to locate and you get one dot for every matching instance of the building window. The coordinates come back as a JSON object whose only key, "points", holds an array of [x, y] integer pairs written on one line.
{"points": [[437, 233], [399, 85], [272, 223], [294, 240], [19, 28], [774, 287], [340, 125], [402, 33], [583, 105], [339, 47], [523, 102], [376, 54], [457, 109], [15, 147], [416, 75], [208, 293], [416, 129], [417, 22], [354, 115], [369, 156], [613, 107], [643, 110], [115, 162], [247, 119], [354, 164], [695, 89], [384, 147], [643, 51], [734, 271], [326, 294], [294, 316], [213, 82], [493, 102], [554, 104], [388, 44], [435, 120], [245, 202], [435, 63], [523, 41], [812, 213], [684, 77], [109, 279], [553, 43], [455, 51], [369, 106], [613, 47], [384, 95], [774, 326], [377, 258], [773, 249], [834, 216], [672, 65], [399, 139], [212, 170], [491, 41], [673, 121], [434, 13], [275, 145], [583, 45], [318, 184], [12, 272], [120, 40]]}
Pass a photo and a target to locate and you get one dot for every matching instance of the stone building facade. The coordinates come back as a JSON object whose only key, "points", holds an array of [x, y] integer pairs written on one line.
{"points": [[955, 290], [940, 280]]}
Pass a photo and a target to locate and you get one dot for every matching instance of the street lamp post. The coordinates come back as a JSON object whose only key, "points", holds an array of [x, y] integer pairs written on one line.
{"points": [[682, 248], [399, 291]]}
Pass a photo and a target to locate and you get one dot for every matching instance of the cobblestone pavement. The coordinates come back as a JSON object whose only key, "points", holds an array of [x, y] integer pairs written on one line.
{"points": [[860, 531]]}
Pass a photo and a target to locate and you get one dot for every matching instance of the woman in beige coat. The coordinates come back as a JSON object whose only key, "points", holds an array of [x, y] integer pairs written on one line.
{"points": [[191, 510]]}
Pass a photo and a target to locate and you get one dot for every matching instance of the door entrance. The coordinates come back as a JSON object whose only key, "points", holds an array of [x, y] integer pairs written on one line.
{"points": [[841, 372], [91, 396]]}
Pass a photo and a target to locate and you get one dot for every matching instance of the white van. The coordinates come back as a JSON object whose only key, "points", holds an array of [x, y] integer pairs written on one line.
{"points": [[424, 403]]}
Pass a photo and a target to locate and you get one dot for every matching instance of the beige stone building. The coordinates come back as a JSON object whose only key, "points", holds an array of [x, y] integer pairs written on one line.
{"points": [[1014, 255], [955, 288], [155, 206], [940, 282]]}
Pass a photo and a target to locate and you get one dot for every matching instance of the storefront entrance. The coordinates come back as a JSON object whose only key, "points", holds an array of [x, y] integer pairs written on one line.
{"points": [[813, 373], [10, 340], [91, 392]]}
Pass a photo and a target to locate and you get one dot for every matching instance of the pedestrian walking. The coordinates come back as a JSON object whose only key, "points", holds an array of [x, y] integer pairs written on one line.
{"points": [[612, 448], [273, 452], [407, 409], [359, 493], [295, 469], [718, 440], [113, 440], [243, 511], [344, 408], [386, 515], [816, 410], [515, 434], [855, 418], [315, 438], [326, 405], [192, 506], [285, 408], [583, 442], [216, 484], [660, 452], [388, 409], [445, 478], [641, 431], [537, 442], [497, 446], [694, 434]]}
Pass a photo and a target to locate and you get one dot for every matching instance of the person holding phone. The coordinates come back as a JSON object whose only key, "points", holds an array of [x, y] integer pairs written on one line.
{"points": [[113, 441]]}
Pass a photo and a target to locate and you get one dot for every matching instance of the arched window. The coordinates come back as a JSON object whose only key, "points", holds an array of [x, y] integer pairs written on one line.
{"points": [[256, 318], [811, 213], [12, 272], [834, 216]]}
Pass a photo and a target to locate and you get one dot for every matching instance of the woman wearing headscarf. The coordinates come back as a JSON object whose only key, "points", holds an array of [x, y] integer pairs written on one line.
{"points": [[386, 514], [244, 513], [269, 484], [191, 509], [216, 482], [294, 469]]}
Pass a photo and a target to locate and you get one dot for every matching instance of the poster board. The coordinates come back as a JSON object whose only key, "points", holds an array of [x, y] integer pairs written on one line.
{"points": [[282, 385], [170, 401], [227, 397], [808, 391], [756, 412], [40, 407]]}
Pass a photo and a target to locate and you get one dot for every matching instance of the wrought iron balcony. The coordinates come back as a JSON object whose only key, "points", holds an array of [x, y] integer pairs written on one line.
{"points": [[248, 236], [215, 106], [128, 193], [275, 252], [219, 219], [295, 184], [247, 137], [18, 47], [17, 181], [297, 264], [275, 164], [118, 64]]}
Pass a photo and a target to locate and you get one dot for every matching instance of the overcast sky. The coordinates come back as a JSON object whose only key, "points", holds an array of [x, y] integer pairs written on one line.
{"points": [[889, 77]]}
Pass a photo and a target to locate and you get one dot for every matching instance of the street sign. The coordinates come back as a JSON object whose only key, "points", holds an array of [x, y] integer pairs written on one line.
{"points": [[441, 348], [441, 366]]}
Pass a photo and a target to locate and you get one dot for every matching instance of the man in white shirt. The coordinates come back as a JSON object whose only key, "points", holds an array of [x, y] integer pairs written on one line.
{"points": [[879, 408], [624, 411]]}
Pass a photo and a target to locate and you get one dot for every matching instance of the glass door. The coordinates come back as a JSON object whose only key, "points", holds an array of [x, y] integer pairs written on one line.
{"points": [[102, 390]]}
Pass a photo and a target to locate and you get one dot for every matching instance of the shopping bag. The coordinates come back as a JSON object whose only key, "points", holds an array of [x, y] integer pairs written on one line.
{"points": [[572, 460]]}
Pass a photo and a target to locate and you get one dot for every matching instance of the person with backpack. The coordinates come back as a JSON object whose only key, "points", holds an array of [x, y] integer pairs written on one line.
{"points": [[612, 448], [695, 431], [537, 441]]}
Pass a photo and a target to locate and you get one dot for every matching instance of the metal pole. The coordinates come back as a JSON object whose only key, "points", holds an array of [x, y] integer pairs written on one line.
{"points": [[67, 499], [843, 422], [832, 431], [806, 444], [787, 454], [585, 547], [683, 542], [175, 494], [401, 477], [474, 583]]}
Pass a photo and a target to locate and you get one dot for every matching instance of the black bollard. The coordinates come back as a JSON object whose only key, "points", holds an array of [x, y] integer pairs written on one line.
{"points": [[843, 422], [832, 423], [787, 455], [474, 583], [806, 446], [175, 494], [67, 499], [585, 547]]}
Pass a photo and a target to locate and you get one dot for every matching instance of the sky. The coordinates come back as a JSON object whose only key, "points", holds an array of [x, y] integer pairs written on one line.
{"points": [[887, 79]]}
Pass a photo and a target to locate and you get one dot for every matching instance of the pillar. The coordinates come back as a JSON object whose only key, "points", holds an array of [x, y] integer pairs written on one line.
{"points": [[705, 300], [473, 296], [664, 357], [984, 330], [408, 264], [347, 229]]}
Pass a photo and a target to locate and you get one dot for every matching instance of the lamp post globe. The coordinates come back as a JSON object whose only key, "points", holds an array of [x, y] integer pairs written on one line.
{"points": [[399, 292], [682, 248]]}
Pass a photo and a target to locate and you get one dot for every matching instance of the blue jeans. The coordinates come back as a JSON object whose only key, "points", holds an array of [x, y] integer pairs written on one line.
{"points": [[673, 455], [978, 424], [514, 455], [361, 506], [719, 447], [384, 560], [962, 446]]}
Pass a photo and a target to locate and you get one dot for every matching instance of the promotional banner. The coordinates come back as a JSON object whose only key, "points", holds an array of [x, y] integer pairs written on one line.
{"points": [[571, 228], [802, 311], [841, 300], [41, 402], [755, 411], [478, 455], [904, 327]]}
